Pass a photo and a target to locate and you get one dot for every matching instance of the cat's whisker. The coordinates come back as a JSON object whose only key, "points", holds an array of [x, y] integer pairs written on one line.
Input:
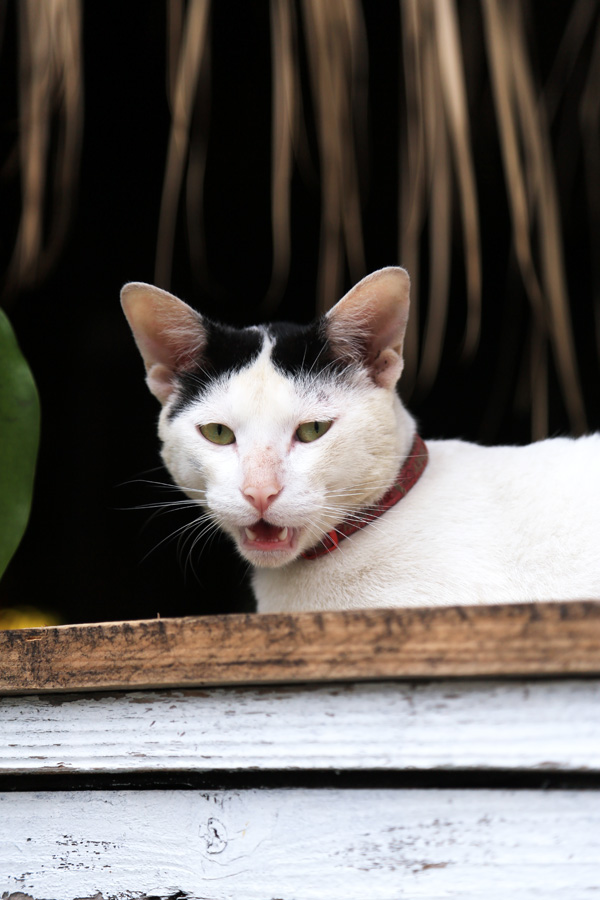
{"points": [[192, 490], [204, 536], [336, 516], [194, 376], [142, 480], [346, 510], [166, 505], [176, 534], [169, 486], [349, 494], [374, 525], [210, 528], [184, 537], [316, 359], [318, 535], [163, 508]]}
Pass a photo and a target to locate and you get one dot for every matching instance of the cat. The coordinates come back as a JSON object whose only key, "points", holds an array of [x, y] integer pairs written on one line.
{"points": [[295, 442]]}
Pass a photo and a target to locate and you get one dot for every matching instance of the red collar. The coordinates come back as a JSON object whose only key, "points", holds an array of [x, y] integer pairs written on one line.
{"points": [[410, 472]]}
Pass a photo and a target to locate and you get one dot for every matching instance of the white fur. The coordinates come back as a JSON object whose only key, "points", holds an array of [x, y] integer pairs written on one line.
{"points": [[264, 409], [482, 525]]}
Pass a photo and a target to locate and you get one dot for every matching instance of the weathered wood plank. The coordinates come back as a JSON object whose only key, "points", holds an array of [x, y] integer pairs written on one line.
{"points": [[302, 844], [520, 639], [394, 726]]}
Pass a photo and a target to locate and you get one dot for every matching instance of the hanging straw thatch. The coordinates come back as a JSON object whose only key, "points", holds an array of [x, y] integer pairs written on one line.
{"points": [[436, 152], [436, 174], [50, 97], [531, 188], [187, 41]]}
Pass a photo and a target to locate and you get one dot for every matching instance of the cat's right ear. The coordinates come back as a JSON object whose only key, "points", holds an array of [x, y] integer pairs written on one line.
{"points": [[169, 334], [368, 324]]}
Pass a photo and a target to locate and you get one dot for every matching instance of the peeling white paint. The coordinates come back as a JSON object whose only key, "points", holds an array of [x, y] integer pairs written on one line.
{"points": [[390, 725], [302, 844]]}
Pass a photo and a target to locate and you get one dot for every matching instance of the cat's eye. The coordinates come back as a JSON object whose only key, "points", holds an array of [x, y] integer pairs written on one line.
{"points": [[310, 431], [217, 433]]}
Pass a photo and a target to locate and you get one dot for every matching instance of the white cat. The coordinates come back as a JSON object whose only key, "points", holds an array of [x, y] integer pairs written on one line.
{"points": [[290, 437]]}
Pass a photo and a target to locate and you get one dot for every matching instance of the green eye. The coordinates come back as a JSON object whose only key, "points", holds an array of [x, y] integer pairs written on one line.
{"points": [[310, 431], [217, 433]]}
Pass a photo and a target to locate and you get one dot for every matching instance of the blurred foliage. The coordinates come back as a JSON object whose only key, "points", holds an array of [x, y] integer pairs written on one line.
{"points": [[19, 440]]}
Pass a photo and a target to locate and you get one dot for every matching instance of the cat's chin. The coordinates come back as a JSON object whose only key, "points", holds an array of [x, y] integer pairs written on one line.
{"points": [[268, 545]]}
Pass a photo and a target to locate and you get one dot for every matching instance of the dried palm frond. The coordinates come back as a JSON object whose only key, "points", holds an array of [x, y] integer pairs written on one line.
{"points": [[319, 57], [337, 56], [439, 200], [452, 79], [533, 202], [411, 181], [436, 153], [184, 84], [577, 29], [50, 97], [589, 114], [284, 135]]}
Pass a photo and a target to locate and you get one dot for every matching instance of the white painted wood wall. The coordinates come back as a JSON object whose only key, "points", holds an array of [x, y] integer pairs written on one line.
{"points": [[290, 833]]}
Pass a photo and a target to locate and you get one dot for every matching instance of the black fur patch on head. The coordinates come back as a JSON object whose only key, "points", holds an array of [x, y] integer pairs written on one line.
{"points": [[226, 350], [300, 348], [297, 350]]}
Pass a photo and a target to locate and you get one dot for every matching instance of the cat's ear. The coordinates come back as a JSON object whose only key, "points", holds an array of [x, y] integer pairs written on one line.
{"points": [[169, 334], [368, 324]]}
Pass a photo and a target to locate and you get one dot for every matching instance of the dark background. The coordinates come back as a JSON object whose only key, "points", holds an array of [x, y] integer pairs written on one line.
{"points": [[89, 553]]}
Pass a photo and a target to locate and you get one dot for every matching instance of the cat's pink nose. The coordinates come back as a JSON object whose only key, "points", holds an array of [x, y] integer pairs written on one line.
{"points": [[261, 496]]}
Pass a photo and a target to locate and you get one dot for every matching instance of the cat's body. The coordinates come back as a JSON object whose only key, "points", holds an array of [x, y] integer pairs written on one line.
{"points": [[282, 433], [465, 534]]}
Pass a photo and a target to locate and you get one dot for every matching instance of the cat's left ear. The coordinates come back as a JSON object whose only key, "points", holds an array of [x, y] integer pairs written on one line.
{"points": [[170, 334], [368, 324]]}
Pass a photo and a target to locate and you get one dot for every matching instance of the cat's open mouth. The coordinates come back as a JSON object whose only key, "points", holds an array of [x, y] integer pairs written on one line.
{"points": [[264, 536]]}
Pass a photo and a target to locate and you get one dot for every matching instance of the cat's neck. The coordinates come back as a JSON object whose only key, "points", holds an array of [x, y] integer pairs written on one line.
{"points": [[411, 470], [407, 429]]}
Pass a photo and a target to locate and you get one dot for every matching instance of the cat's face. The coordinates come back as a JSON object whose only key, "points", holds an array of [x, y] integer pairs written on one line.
{"points": [[279, 432]]}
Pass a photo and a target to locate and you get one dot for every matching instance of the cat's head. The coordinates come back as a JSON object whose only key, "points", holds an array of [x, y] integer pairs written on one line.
{"points": [[279, 431]]}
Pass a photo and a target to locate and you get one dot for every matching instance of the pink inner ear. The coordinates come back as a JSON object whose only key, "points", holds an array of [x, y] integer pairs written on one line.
{"points": [[169, 334], [369, 322], [387, 368], [160, 381]]}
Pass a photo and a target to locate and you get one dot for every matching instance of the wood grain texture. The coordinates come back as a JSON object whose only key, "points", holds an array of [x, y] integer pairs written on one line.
{"points": [[519, 639], [386, 726], [302, 844]]}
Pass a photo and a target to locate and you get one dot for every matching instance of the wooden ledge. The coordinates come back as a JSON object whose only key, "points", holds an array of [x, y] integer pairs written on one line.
{"points": [[541, 639]]}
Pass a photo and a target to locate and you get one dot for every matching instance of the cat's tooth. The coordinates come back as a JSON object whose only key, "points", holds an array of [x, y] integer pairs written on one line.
{"points": [[251, 535], [282, 536]]}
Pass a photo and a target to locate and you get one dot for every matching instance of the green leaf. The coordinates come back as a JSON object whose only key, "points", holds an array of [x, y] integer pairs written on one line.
{"points": [[19, 439]]}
